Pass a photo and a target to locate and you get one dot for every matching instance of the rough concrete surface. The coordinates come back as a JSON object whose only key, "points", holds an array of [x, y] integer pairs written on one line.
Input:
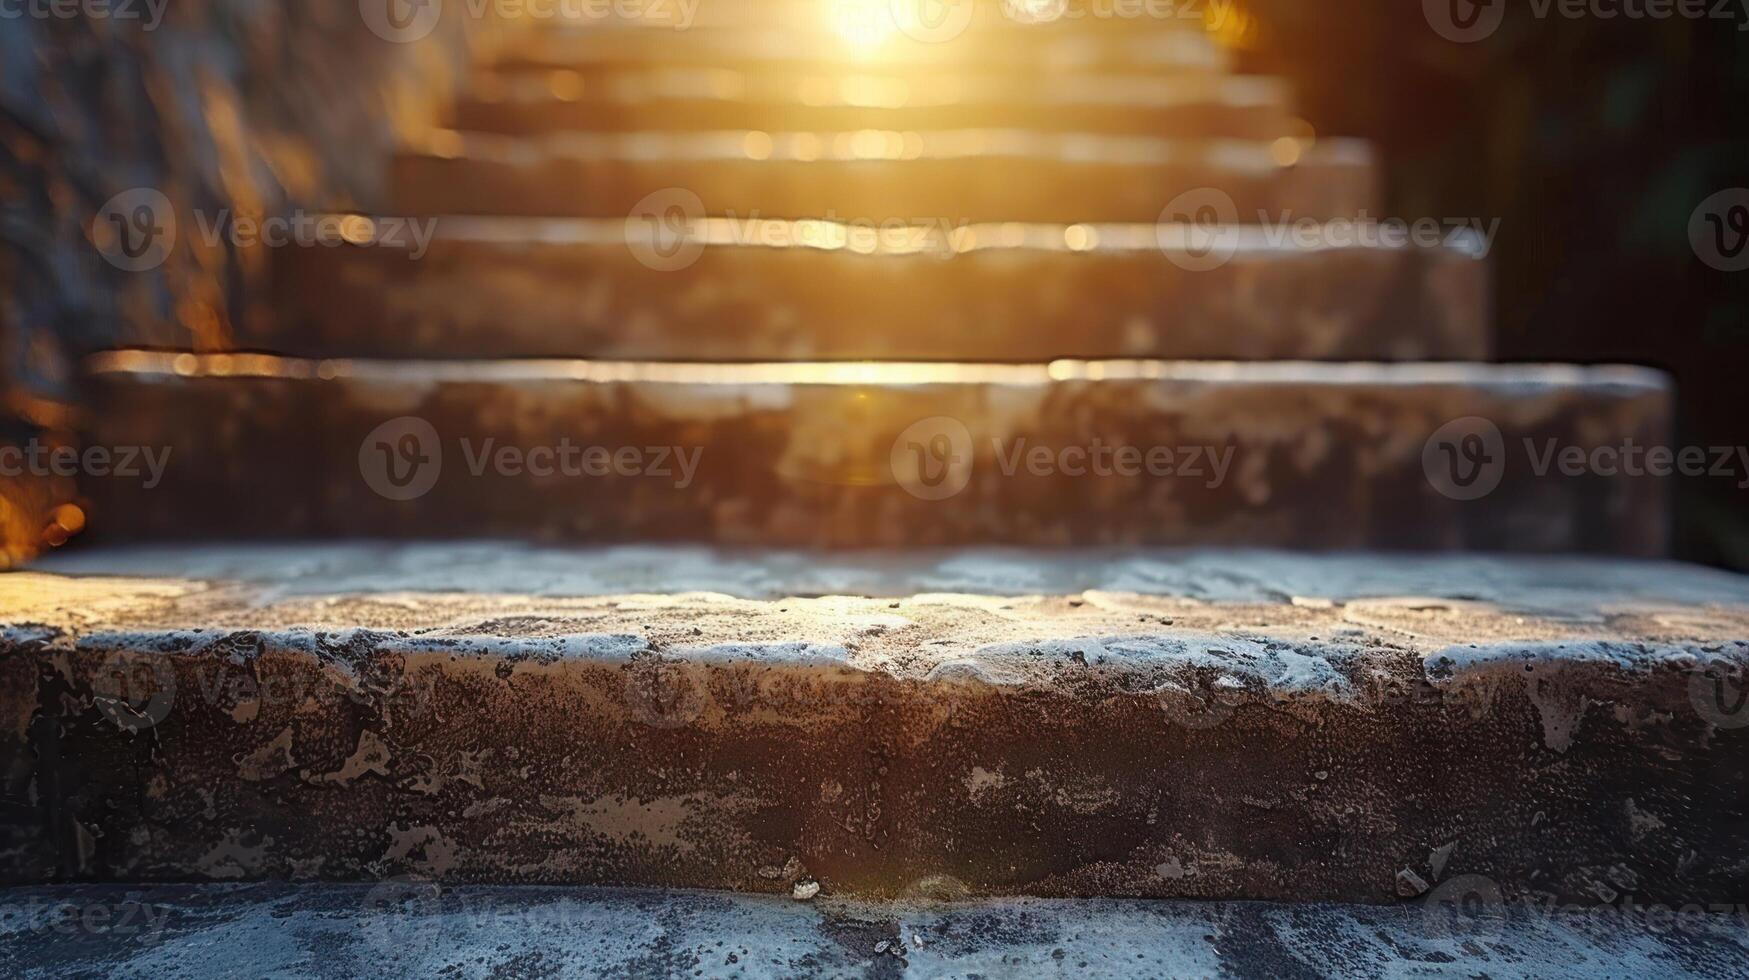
{"points": [[780, 290], [854, 455], [1181, 725], [416, 929]]}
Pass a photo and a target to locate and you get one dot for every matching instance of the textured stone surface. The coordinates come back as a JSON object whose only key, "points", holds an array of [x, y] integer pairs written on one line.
{"points": [[415, 930], [876, 176], [1261, 726], [1239, 107], [1288, 454], [486, 287]]}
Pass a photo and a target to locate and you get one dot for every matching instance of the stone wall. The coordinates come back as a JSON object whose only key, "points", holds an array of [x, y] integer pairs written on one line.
{"points": [[222, 107]]}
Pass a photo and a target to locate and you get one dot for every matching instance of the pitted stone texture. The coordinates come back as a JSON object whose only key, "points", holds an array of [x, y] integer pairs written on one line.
{"points": [[501, 287], [953, 176], [848, 455], [680, 99], [414, 929], [1581, 740]]}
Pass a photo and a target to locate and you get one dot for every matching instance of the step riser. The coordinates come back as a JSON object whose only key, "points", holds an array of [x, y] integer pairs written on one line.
{"points": [[370, 754], [969, 189], [531, 296], [1026, 54], [1314, 457], [1185, 121]]}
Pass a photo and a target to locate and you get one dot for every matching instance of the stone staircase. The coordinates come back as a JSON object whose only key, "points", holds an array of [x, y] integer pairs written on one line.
{"points": [[674, 514]]}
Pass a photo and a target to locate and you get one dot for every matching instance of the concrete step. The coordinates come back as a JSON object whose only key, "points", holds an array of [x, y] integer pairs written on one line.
{"points": [[416, 930], [1049, 50], [1221, 106], [877, 176], [780, 290], [1219, 725], [1291, 454]]}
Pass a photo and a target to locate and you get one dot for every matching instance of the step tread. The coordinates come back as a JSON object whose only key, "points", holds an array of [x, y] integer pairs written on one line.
{"points": [[1541, 599], [408, 929]]}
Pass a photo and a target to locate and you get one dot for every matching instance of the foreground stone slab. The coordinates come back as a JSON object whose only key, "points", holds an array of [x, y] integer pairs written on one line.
{"points": [[1237, 107], [413, 929], [780, 290], [875, 176], [1360, 728], [849, 455]]}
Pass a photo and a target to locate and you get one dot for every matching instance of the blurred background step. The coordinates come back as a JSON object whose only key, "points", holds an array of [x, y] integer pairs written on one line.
{"points": [[879, 176], [1239, 107], [854, 454], [868, 24], [415, 930], [818, 47], [1358, 728], [775, 290]]}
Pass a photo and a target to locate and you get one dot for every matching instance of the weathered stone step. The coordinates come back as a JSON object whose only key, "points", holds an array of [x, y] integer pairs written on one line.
{"points": [[1239, 107], [878, 176], [1049, 52], [848, 454], [1214, 725], [780, 290], [415, 930]]}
